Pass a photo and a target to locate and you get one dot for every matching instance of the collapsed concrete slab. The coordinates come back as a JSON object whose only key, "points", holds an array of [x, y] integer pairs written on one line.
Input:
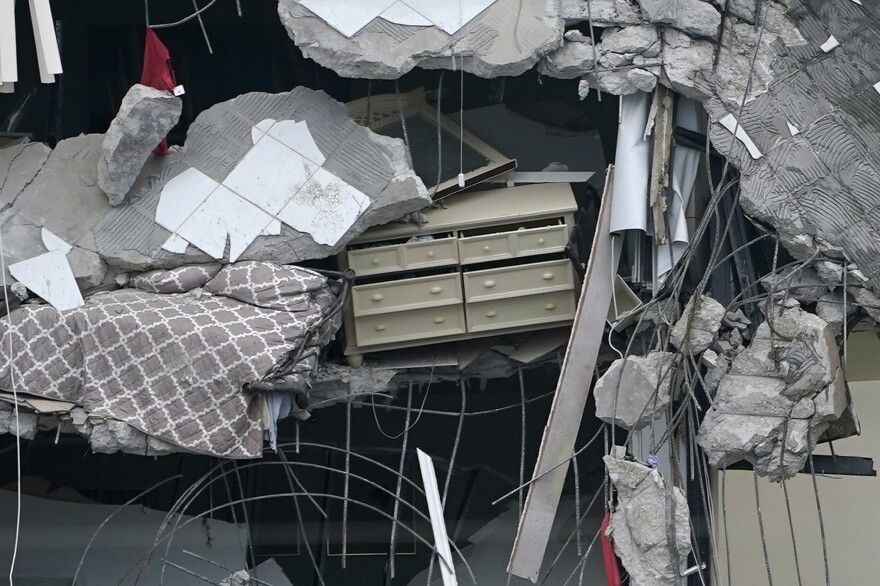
{"points": [[325, 180], [650, 525], [19, 165], [635, 389], [780, 396], [698, 325], [488, 38], [144, 119], [64, 196]]}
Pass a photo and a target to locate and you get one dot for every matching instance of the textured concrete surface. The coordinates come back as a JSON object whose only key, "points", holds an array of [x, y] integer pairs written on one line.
{"points": [[129, 238], [144, 118]]}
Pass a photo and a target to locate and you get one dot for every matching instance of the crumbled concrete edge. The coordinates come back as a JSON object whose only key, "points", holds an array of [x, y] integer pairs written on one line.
{"points": [[506, 39], [780, 395]]}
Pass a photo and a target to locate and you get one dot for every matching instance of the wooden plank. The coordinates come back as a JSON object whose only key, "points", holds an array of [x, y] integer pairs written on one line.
{"points": [[566, 413]]}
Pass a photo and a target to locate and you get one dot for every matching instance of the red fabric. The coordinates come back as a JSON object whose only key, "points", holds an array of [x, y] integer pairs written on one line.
{"points": [[612, 571], [157, 73]]}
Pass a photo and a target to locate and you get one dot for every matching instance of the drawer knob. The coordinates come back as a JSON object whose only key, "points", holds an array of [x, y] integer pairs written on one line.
{"points": [[550, 306], [430, 254], [375, 261], [439, 320], [380, 328], [489, 284], [487, 248], [547, 276], [540, 241], [377, 297], [491, 313], [435, 290]]}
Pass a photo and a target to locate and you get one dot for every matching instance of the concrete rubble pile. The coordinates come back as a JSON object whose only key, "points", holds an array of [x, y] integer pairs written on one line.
{"points": [[780, 395], [650, 525]]}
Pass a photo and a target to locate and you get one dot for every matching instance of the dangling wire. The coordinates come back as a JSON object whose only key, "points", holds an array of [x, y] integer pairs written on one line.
{"points": [[12, 383]]}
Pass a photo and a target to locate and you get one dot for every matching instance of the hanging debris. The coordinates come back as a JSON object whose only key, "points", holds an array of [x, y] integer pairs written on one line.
{"points": [[650, 525]]}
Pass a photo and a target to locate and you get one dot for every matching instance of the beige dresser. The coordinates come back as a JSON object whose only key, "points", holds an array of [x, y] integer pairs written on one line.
{"points": [[485, 263]]}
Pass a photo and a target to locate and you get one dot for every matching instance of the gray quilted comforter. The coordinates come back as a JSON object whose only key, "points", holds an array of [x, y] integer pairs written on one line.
{"points": [[170, 354]]}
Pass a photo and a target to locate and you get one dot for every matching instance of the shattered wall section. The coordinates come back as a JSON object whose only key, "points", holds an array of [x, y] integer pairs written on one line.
{"points": [[780, 395], [215, 160], [505, 37]]}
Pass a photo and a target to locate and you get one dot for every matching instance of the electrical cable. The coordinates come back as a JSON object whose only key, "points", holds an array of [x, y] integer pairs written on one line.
{"points": [[12, 383]]}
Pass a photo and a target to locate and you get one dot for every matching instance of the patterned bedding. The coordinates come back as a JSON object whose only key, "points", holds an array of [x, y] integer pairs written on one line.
{"points": [[173, 364]]}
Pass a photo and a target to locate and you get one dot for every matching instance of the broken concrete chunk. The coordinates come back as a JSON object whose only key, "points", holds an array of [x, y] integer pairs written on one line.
{"points": [[497, 37], [834, 308], [87, 267], [635, 389], [684, 61], [867, 300], [575, 58], [698, 325], [652, 552], [144, 119], [830, 272], [736, 319], [801, 282], [717, 365], [27, 422], [691, 16], [304, 164]]}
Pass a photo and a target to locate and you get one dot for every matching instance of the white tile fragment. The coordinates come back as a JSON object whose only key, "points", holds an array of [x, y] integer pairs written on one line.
{"points": [[273, 229], [50, 277], [438, 524], [182, 196], [298, 137], [400, 13], [859, 2], [268, 175], [278, 180], [877, 87], [325, 208], [175, 244], [53, 242], [350, 16], [729, 122], [792, 128], [830, 44], [224, 213]]}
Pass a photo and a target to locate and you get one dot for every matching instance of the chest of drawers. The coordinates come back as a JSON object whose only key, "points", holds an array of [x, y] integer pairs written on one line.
{"points": [[485, 263]]}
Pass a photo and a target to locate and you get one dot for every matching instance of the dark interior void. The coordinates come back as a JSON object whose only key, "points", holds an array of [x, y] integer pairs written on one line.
{"points": [[487, 466], [102, 54], [102, 51]]}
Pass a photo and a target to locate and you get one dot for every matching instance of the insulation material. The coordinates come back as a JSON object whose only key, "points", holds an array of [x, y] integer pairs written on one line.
{"points": [[187, 388], [629, 199]]}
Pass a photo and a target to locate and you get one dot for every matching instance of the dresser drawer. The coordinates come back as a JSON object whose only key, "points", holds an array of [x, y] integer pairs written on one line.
{"points": [[554, 275], [520, 311], [415, 325], [512, 244], [400, 257], [406, 294]]}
